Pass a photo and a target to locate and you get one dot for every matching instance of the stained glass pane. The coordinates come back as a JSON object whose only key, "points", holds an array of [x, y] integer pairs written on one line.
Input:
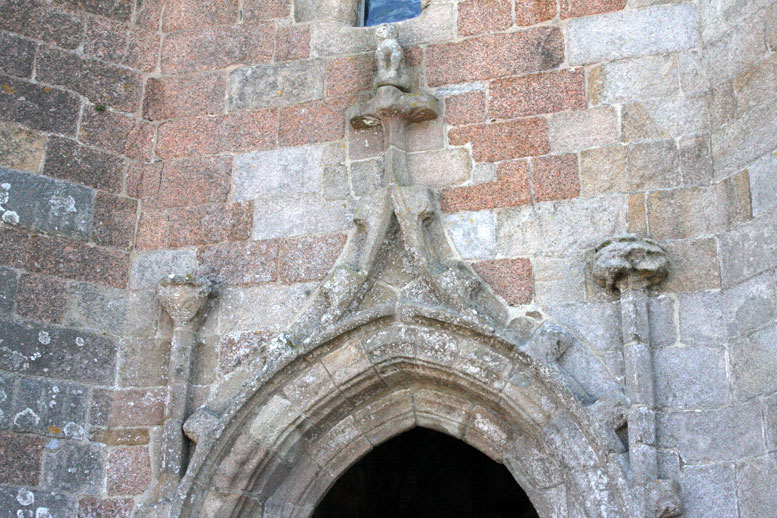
{"points": [[388, 11]]}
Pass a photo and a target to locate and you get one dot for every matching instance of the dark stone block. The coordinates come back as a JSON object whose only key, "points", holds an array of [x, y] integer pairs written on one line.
{"points": [[114, 220], [57, 352], [7, 391], [35, 19], [11, 499], [39, 107], [71, 161], [9, 280], [20, 457], [100, 82], [116, 9], [74, 260], [50, 408], [40, 297], [18, 56], [46, 205], [74, 467]]}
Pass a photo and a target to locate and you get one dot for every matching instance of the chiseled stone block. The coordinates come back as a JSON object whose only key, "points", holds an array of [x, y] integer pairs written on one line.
{"points": [[709, 490], [754, 362], [275, 85], [634, 79], [74, 467], [20, 148], [577, 130], [39, 203], [50, 408], [763, 183], [690, 377], [148, 268], [623, 34], [299, 215], [27, 503], [473, 233], [277, 172]]}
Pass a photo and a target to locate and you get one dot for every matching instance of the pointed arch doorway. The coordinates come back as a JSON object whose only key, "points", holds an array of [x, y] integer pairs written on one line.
{"points": [[424, 473]]}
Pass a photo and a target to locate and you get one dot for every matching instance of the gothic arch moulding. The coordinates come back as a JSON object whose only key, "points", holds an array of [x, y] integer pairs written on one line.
{"points": [[401, 334]]}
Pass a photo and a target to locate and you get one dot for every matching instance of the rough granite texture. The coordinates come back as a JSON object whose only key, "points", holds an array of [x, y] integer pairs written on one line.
{"points": [[213, 140]]}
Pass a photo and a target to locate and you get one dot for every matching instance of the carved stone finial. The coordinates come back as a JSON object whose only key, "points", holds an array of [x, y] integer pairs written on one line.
{"points": [[630, 261], [391, 60], [182, 296]]}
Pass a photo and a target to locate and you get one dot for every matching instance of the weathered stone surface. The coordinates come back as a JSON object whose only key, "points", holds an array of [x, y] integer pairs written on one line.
{"points": [[763, 183], [275, 85], [117, 133], [148, 268], [737, 50], [20, 148], [299, 214], [69, 161], [665, 118], [99, 82], [277, 172], [709, 489], [128, 470], [40, 108], [584, 319], [478, 16], [512, 54], [509, 278], [57, 352], [536, 94], [574, 131], [555, 178], [629, 261], [218, 47], [308, 258], [748, 249], [40, 297], [694, 265], [690, 377], [575, 8], [185, 96], [94, 508], [440, 168], [473, 233], [705, 318], [753, 361], [74, 467], [503, 140], [510, 188], [20, 459], [40, 20], [111, 41], [27, 503], [713, 435], [754, 480], [9, 281], [696, 161], [632, 33], [639, 78], [367, 176], [261, 308], [698, 211], [240, 263], [46, 205], [643, 166], [465, 108], [51, 408]]}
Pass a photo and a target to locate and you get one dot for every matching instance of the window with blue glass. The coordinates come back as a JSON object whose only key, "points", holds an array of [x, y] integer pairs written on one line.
{"points": [[375, 12]]}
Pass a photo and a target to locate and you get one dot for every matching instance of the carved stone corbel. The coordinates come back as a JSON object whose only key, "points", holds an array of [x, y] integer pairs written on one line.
{"points": [[628, 266], [182, 297]]}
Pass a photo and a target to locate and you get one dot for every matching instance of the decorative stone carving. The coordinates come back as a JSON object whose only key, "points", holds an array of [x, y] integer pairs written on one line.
{"points": [[391, 60], [627, 266], [630, 261], [182, 297], [396, 306]]}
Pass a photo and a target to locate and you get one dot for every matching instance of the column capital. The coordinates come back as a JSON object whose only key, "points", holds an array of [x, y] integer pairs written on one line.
{"points": [[629, 262], [182, 296]]}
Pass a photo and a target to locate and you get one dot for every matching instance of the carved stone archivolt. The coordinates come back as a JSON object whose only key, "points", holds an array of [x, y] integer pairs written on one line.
{"points": [[402, 334]]}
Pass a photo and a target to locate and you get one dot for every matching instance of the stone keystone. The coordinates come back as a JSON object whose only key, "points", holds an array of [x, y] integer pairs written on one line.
{"points": [[182, 296], [625, 262]]}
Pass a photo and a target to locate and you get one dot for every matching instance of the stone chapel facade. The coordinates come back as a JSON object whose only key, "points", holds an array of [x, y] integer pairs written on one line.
{"points": [[244, 242]]}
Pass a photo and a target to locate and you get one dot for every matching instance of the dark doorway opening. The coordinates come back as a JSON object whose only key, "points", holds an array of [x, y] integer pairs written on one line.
{"points": [[425, 474]]}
